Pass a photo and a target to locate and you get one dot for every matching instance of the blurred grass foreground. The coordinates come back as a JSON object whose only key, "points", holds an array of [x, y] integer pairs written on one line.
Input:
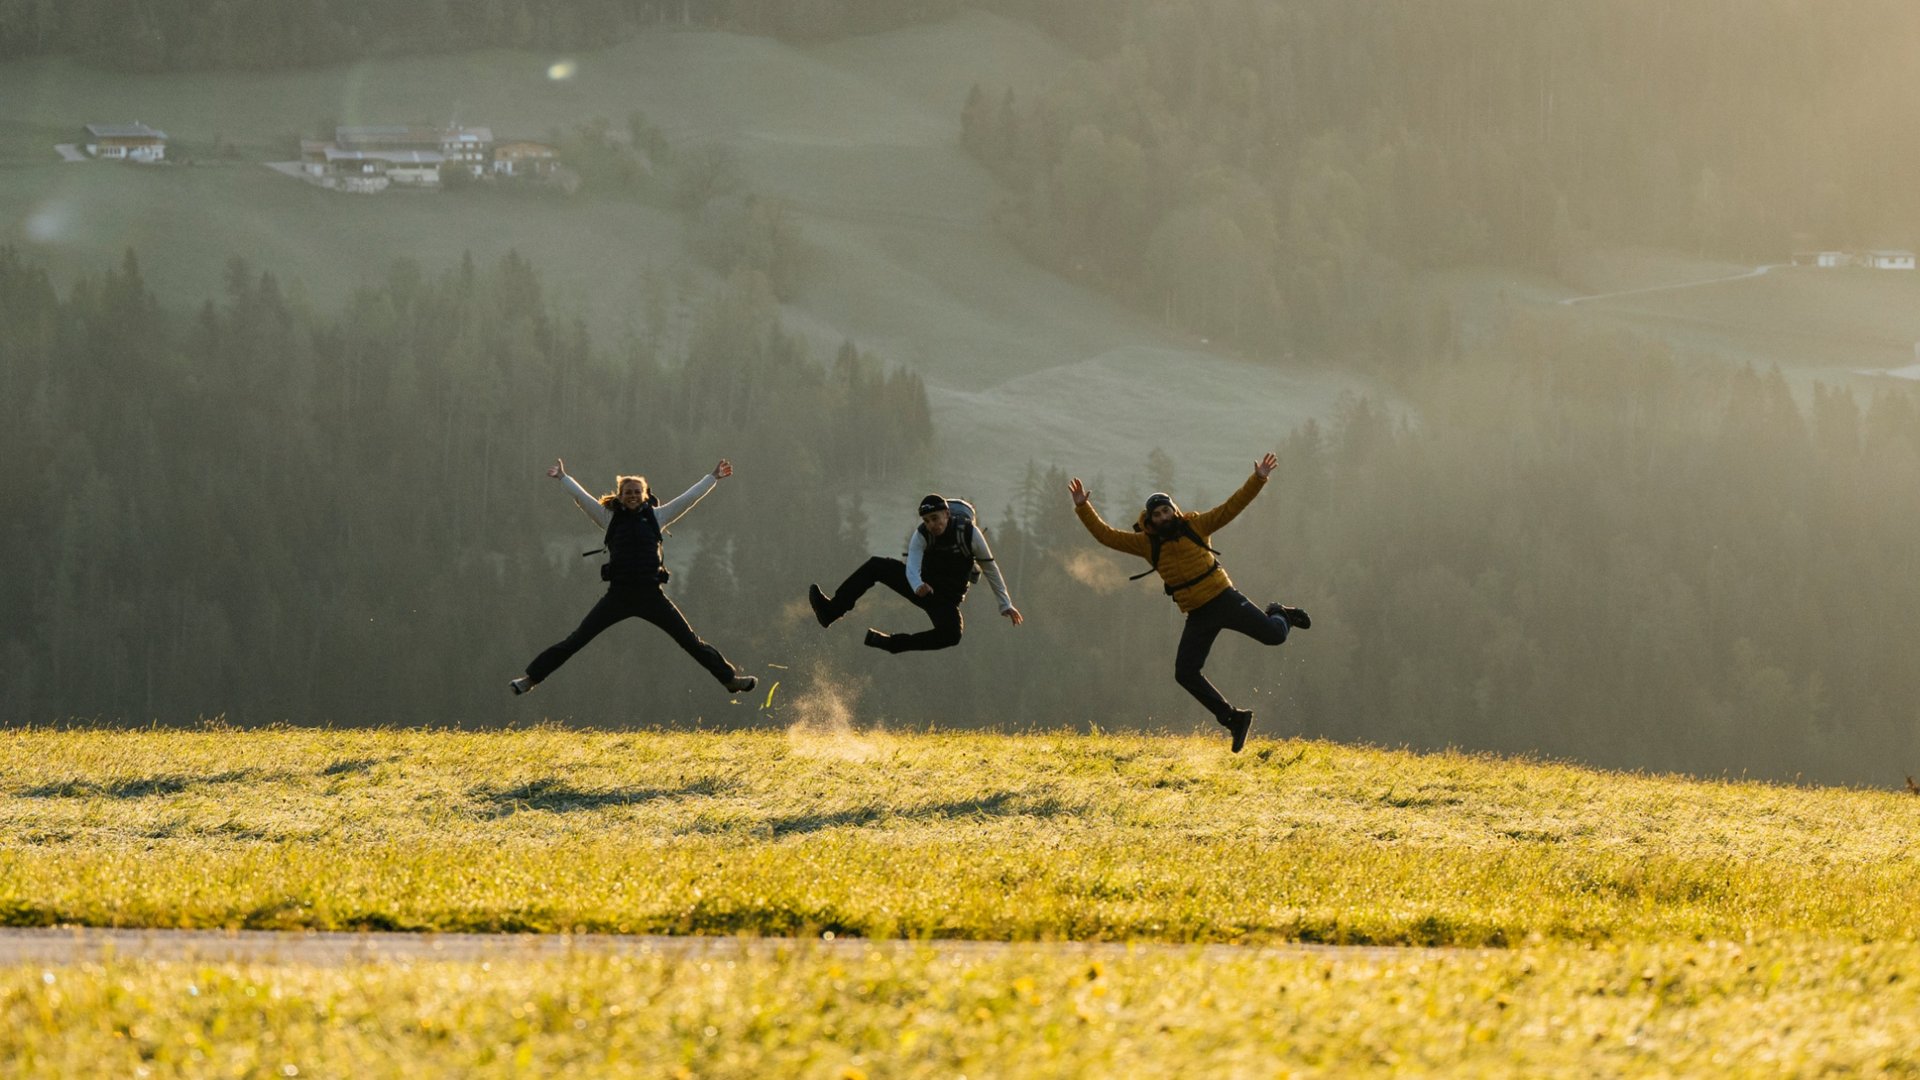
{"points": [[1640, 925]]}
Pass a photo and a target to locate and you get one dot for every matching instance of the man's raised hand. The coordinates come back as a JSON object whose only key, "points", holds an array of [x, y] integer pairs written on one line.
{"points": [[558, 469], [723, 470], [1265, 466], [1078, 490]]}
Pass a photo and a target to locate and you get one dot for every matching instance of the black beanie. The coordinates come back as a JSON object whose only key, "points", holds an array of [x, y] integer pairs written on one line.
{"points": [[932, 503]]}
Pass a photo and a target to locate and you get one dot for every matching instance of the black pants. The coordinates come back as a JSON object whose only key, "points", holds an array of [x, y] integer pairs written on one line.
{"points": [[1228, 611], [943, 607], [633, 601]]}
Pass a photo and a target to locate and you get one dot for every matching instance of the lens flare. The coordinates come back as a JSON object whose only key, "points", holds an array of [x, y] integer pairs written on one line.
{"points": [[561, 70], [46, 224]]}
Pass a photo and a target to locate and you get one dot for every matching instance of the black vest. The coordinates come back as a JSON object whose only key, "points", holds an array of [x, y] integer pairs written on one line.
{"points": [[947, 564], [633, 545]]}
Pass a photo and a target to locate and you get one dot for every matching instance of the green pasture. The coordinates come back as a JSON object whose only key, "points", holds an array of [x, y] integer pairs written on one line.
{"points": [[1831, 323], [999, 837], [1576, 922]]}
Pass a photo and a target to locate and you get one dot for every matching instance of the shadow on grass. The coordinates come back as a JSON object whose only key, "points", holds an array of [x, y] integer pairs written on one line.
{"points": [[136, 788], [559, 797], [354, 765], [998, 804]]}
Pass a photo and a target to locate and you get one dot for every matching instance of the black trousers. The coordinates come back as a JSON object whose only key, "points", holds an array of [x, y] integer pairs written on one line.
{"points": [[943, 607], [1228, 611], [633, 601]]}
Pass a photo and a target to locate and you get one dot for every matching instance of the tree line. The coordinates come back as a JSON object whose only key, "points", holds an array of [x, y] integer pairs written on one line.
{"points": [[1274, 173], [1556, 541], [181, 35], [263, 511], [1559, 543]]}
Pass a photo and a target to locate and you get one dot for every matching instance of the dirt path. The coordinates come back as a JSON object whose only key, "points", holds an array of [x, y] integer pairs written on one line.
{"points": [[1753, 273], [78, 945]]}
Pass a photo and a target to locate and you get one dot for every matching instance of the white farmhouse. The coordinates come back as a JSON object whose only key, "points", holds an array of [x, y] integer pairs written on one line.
{"points": [[125, 142], [468, 148], [1890, 259]]}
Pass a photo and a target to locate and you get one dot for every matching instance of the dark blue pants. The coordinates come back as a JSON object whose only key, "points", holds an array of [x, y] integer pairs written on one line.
{"points": [[1228, 611], [633, 601], [943, 607]]}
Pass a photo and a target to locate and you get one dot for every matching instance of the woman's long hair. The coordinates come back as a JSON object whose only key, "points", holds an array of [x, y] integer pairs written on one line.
{"points": [[612, 498]]}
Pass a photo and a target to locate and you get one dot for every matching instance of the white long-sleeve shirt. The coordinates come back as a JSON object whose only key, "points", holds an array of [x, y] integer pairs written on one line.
{"points": [[982, 554], [667, 512]]}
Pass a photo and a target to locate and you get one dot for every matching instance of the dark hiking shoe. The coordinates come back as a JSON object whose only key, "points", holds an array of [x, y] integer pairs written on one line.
{"points": [[877, 640], [822, 607], [740, 684], [1239, 722], [520, 685], [1294, 616]]}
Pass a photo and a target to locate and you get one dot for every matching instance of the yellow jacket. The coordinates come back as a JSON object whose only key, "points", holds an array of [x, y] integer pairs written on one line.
{"points": [[1181, 560]]}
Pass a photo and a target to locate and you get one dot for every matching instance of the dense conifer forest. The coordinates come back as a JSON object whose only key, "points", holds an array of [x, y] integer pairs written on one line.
{"points": [[270, 513], [1276, 173]]}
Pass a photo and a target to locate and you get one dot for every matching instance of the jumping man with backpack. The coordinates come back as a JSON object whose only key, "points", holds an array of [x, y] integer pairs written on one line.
{"points": [[941, 559], [1176, 545], [634, 520]]}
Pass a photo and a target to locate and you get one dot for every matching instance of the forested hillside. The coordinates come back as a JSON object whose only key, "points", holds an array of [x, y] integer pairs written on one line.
{"points": [[1580, 546], [1277, 171], [266, 511], [176, 35]]}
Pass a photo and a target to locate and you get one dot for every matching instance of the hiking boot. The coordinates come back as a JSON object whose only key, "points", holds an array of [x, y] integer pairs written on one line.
{"points": [[520, 685], [740, 684], [821, 605], [1239, 722], [1294, 616], [877, 640]]}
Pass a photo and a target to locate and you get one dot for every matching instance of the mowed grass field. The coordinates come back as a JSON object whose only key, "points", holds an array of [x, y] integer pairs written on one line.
{"points": [[999, 837], [1559, 919]]}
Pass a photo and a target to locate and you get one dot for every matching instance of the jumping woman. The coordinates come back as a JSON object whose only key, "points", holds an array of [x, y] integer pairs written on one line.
{"points": [[1175, 544], [634, 520]]}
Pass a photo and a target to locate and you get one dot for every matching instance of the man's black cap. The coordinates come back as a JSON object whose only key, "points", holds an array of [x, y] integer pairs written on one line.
{"points": [[932, 503]]}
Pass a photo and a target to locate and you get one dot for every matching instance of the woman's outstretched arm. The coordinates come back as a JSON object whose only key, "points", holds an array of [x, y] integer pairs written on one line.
{"points": [[670, 511], [589, 505]]}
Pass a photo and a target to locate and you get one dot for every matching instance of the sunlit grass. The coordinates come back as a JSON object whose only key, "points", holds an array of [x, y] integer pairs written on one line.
{"points": [[1030, 837], [926, 1011]]}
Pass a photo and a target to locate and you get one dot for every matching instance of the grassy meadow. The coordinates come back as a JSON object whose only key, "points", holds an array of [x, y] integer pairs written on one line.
{"points": [[1643, 924], [1033, 837], [1677, 1009], [1830, 323]]}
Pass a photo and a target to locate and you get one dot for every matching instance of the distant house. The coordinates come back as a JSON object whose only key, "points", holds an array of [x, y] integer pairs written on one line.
{"points": [[525, 158], [313, 156], [387, 137], [411, 168], [1890, 259], [352, 170], [1822, 259], [125, 142], [468, 148], [372, 157]]}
